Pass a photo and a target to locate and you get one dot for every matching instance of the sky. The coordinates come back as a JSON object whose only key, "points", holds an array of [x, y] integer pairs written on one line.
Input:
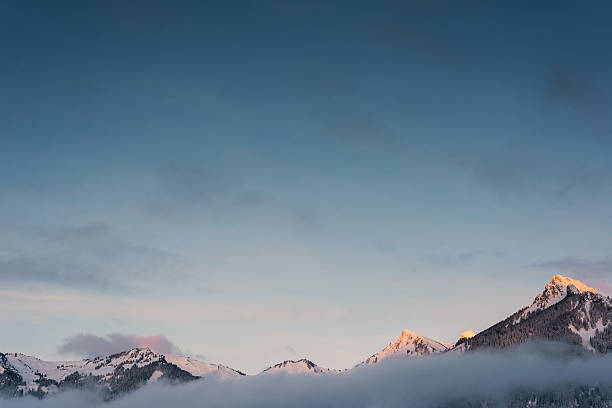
{"points": [[250, 182]]}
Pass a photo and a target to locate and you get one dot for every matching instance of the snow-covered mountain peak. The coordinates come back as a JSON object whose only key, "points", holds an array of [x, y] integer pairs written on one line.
{"points": [[137, 353], [409, 338], [555, 291], [560, 281], [302, 366], [567, 310], [407, 334], [408, 344]]}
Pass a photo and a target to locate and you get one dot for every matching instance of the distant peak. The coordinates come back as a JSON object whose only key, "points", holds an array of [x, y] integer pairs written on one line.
{"points": [[287, 363], [408, 344], [301, 360], [302, 366], [555, 291], [133, 352], [407, 334], [138, 350], [559, 280]]}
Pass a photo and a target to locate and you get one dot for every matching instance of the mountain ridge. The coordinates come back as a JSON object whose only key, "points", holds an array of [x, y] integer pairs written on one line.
{"points": [[566, 310], [112, 375], [563, 311]]}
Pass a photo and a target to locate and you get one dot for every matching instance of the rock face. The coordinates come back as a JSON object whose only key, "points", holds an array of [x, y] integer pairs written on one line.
{"points": [[109, 376], [409, 344], [566, 310]]}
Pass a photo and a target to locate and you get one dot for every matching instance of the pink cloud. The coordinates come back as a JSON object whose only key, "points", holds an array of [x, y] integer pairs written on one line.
{"points": [[158, 343]]}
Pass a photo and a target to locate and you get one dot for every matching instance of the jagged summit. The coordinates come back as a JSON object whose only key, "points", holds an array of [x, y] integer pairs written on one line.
{"points": [[555, 291], [565, 280], [302, 366], [408, 344], [133, 353]]}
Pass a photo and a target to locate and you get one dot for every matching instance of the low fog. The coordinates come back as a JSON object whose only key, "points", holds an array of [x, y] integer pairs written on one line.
{"points": [[421, 382]]}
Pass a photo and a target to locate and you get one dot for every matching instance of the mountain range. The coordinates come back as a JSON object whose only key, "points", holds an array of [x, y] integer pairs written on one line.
{"points": [[566, 310]]}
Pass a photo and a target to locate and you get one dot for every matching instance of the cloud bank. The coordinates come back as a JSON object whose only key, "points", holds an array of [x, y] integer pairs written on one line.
{"points": [[90, 345], [430, 381]]}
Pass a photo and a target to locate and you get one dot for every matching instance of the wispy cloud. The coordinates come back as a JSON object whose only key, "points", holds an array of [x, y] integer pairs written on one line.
{"points": [[191, 186], [569, 87], [46, 304], [83, 256], [594, 272], [600, 267], [361, 132], [461, 259], [583, 183], [345, 124]]}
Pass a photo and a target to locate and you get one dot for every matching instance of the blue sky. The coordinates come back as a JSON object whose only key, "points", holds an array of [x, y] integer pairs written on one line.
{"points": [[261, 181]]}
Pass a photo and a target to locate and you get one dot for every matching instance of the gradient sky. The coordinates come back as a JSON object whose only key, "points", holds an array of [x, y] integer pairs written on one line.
{"points": [[261, 181]]}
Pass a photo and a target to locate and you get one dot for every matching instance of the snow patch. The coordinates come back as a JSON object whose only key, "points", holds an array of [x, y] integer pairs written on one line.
{"points": [[155, 376], [587, 334], [199, 368]]}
